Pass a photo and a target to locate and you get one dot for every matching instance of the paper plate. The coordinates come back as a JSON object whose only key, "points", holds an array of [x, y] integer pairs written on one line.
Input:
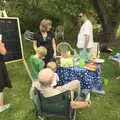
{"points": [[99, 60]]}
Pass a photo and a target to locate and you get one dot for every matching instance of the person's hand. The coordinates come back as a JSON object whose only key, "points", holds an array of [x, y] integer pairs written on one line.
{"points": [[3, 50], [54, 55], [35, 48]]}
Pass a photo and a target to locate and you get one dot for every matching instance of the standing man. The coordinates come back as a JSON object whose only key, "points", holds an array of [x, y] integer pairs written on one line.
{"points": [[85, 36]]}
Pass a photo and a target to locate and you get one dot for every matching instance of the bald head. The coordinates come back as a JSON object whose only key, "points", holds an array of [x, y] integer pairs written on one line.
{"points": [[45, 76]]}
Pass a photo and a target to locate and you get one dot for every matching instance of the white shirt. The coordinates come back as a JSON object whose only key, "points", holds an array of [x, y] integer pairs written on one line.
{"points": [[86, 29]]}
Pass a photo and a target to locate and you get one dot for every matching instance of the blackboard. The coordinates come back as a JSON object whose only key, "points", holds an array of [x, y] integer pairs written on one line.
{"points": [[9, 28]]}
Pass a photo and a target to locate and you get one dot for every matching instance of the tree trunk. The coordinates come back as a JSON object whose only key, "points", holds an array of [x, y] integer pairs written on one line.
{"points": [[108, 34], [108, 21]]}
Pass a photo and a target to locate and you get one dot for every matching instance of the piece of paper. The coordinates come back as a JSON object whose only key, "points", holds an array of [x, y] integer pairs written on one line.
{"points": [[0, 36]]}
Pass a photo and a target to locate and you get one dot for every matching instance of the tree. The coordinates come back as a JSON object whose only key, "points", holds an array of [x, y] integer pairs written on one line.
{"points": [[109, 14], [64, 13]]}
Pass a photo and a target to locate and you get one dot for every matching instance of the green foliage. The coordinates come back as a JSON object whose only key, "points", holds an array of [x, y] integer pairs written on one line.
{"points": [[108, 13], [62, 12]]}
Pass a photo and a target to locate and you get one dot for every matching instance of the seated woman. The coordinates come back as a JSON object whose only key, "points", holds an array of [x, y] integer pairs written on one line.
{"points": [[44, 86], [66, 59], [36, 61]]}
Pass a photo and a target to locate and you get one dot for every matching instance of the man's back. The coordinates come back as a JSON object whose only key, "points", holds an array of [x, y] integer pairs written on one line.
{"points": [[86, 29]]}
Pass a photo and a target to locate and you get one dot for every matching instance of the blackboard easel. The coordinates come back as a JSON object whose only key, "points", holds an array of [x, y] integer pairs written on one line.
{"points": [[3, 15]]}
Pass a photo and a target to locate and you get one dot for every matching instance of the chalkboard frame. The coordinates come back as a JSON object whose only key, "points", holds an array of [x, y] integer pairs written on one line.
{"points": [[20, 38]]}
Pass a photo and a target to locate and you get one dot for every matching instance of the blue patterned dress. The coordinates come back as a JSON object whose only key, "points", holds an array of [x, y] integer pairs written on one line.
{"points": [[88, 80]]}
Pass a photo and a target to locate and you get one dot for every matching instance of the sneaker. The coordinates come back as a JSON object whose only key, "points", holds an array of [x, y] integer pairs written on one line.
{"points": [[4, 107], [98, 91]]}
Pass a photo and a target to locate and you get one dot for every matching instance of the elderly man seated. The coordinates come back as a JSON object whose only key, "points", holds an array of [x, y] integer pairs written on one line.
{"points": [[45, 78]]}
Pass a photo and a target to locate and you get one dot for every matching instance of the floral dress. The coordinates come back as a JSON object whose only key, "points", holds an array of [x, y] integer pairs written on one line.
{"points": [[88, 80]]}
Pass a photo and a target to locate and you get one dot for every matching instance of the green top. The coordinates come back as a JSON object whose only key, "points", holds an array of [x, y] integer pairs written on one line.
{"points": [[36, 64]]}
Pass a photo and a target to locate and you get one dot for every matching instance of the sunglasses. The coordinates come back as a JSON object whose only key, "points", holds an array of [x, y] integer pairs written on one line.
{"points": [[80, 16]]}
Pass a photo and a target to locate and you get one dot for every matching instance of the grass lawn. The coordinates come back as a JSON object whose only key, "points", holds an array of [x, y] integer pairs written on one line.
{"points": [[104, 107]]}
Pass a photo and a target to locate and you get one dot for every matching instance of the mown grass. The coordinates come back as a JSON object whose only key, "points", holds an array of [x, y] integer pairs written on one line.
{"points": [[104, 107]]}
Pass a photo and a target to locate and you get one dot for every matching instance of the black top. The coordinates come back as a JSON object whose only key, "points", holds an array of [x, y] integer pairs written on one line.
{"points": [[47, 43]]}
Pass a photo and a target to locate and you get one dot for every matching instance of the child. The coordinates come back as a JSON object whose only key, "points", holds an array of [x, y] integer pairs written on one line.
{"points": [[66, 59], [52, 65], [36, 61]]}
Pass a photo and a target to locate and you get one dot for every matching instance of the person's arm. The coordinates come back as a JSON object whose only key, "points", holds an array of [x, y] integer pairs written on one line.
{"points": [[41, 65], [35, 42], [54, 46], [71, 86], [3, 50], [35, 45]]}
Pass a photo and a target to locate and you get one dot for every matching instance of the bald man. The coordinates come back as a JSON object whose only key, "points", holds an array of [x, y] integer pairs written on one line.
{"points": [[45, 78]]}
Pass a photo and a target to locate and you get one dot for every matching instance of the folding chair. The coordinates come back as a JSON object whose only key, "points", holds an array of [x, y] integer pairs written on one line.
{"points": [[58, 105]]}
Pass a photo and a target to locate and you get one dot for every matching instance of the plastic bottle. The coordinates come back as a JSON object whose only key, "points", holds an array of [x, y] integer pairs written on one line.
{"points": [[83, 58], [76, 59]]}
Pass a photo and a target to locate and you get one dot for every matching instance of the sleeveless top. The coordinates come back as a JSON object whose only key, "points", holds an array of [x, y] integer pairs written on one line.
{"points": [[46, 42]]}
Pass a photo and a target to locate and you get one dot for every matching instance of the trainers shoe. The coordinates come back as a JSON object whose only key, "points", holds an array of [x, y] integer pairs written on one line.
{"points": [[4, 107]]}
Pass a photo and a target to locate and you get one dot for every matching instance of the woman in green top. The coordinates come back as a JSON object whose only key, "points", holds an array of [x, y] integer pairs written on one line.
{"points": [[36, 61]]}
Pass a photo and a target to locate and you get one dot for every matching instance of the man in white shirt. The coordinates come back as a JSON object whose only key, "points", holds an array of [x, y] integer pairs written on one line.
{"points": [[85, 35]]}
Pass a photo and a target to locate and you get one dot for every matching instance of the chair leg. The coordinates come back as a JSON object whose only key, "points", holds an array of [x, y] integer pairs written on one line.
{"points": [[74, 115]]}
